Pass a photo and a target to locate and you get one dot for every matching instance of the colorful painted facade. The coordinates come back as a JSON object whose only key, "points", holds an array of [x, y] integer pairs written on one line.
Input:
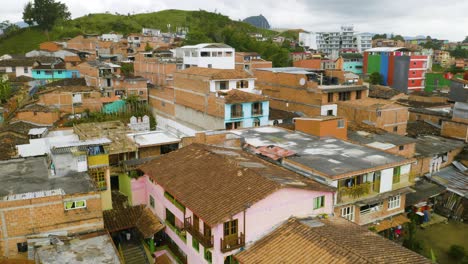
{"points": [[400, 69]]}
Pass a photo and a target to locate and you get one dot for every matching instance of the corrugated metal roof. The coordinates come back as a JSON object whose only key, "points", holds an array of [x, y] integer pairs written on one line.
{"points": [[386, 49]]}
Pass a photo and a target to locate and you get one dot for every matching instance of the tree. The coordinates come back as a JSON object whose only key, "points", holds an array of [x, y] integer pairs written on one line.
{"points": [[148, 47], [379, 36], [8, 28], [465, 40], [5, 89], [398, 37], [127, 69], [46, 13], [375, 78]]}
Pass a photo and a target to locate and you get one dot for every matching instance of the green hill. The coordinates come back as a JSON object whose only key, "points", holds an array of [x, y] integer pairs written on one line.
{"points": [[203, 27]]}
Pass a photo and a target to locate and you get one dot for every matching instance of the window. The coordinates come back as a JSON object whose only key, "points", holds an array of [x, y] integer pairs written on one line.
{"points": [[344, 96], [195, 244], [319, 202], [99, 178], [230, 228], [242, 84], [228, 53], [22, 247], [38, 72], [48, 72], [26, 69], [35, 113], [151, 201], [358, 94], [210, 66], [370, 208], [330, 97], [412, 81], [396, 174], [59, 72], [379, 113], [236, 111], [401, 147], [140, 92], [394, 202], [75, 205], [205, 54], [223, 85], [206, 230], [341, 123], [208, 256], [395, 129], [329, 112], [257, 108], [348, 213]]}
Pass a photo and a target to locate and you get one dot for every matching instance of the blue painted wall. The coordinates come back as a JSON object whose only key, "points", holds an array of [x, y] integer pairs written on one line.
{"points": [[247, 119], [384, 67], [55, 74]]}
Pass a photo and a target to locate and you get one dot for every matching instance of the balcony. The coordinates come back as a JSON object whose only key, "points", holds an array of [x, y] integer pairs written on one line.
{"points": [[100, 160], [206, 241], [349, 194], [257, 112], [229, 243]]}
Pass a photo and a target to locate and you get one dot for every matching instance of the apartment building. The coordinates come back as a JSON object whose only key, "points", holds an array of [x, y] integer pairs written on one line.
{"points": [[204, 98], [207, 55], [36, 203], [443, 58], [223, 199], [401, 69], [331, 43], [371, 184], [364, 41], [312, 92]]}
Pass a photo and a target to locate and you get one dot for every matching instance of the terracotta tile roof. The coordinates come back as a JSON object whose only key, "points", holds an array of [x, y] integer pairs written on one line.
{"points": [[238, 96], [333, 240], [281, 114], [138, 217], [72, 59], [216, 183], [218, 74]]}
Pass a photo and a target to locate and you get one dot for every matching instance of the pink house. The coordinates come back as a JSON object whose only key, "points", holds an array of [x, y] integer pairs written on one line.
{"points": [[215, 201]]}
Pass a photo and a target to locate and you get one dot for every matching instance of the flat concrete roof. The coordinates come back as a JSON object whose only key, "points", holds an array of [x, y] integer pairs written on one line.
{"points": [[31, 175], [97, 249], [153, 138], [329, 156]]}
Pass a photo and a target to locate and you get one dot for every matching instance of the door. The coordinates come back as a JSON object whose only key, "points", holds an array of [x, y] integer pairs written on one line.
{"points": [[230, 232], [376, 187], [196, 223], [114, 182]]}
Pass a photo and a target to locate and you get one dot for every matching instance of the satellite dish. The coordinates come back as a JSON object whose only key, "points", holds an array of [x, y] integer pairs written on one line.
{"points": [[302, 81]]}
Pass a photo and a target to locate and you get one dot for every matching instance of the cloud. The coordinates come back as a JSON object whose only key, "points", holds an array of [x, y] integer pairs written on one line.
{"points": [[406, 17]]}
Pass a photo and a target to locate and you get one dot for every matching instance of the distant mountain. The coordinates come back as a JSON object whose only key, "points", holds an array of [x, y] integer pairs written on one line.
{"points": [[258, 21]]}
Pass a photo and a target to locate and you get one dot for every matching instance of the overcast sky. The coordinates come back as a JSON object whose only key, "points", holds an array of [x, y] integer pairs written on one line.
{"points": [[445, 19]]}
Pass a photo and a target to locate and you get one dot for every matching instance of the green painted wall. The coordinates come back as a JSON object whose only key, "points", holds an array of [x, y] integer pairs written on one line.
{"points": [[373, 63], [125, 186], [435, 81]]}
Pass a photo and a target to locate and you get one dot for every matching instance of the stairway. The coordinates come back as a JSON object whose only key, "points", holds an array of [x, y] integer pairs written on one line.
{"points": [[134, 254]]}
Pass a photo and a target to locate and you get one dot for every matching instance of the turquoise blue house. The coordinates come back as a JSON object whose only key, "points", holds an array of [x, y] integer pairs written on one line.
{"points": [[352, 62], [250, 111], [53, 72]]}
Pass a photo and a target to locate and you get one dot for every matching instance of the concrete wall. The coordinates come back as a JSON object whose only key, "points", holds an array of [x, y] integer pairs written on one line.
{"points": [[198, 118], [400, 73], [455, 130]]}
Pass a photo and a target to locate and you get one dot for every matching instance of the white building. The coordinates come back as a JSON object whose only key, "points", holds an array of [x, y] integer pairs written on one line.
{"points": [[308, 39], [207, 55], [363, 41], [151, 31], [331, 43], [111, 37]]}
